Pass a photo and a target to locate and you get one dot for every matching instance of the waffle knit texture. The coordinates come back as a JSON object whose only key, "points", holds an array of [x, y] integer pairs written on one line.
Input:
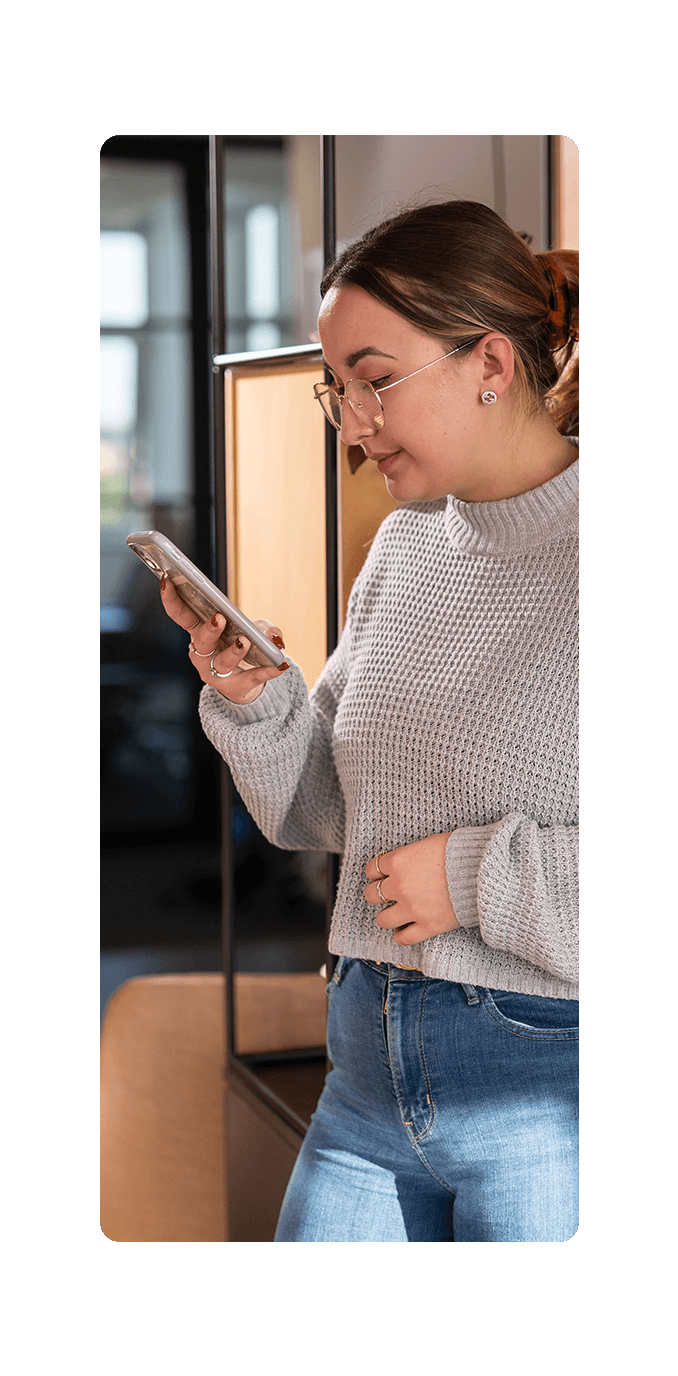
{"points": [[449, 705]]}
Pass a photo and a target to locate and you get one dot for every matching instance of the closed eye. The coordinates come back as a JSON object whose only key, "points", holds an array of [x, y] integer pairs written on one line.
{"points": [[376, 384]]}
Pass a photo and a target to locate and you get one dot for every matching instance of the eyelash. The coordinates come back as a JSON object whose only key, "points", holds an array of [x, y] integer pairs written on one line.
{"points": [[377, 383]]}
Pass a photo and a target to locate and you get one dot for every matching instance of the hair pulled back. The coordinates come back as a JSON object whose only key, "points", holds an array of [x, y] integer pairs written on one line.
{"points": [[457, 271]]}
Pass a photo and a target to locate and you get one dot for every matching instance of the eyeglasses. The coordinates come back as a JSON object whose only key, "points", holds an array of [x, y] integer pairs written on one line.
{"points": [[363, 398]]}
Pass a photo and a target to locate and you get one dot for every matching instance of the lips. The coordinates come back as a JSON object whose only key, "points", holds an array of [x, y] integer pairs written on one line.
{"points": [[384, 461]]}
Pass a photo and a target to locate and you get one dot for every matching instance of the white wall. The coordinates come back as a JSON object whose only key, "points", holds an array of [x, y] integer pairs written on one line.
{"points": [[380, 174]]}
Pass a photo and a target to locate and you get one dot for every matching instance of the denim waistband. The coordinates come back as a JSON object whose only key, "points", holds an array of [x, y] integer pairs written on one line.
{"points": [[410, 973], [391, 970]]}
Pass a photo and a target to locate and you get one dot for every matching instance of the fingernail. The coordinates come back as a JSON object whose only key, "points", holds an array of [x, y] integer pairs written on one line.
{"points": [[240, 643], [284, 665], [215, 620], [278, 640], [163, 580]]}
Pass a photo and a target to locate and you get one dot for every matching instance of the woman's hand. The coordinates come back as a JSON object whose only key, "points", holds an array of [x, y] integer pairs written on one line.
{"points": [[415, 888], [242, 684]]}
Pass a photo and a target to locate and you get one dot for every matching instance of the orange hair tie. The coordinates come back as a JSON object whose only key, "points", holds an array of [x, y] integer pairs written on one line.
{"points": [[563, 304]]}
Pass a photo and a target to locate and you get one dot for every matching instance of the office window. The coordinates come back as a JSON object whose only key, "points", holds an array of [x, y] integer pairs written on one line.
{"points": [[260, 272], [146, 482], [154, 445]]}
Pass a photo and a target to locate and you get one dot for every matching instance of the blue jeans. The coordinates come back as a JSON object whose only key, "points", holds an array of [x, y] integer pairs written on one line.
{"points": [[449, 1115]]}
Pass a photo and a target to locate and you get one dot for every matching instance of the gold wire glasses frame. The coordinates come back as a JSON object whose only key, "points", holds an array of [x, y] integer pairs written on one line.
{"points": [[362, 397]]}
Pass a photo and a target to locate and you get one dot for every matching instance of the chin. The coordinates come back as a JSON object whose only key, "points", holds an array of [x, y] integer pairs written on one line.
{"points": [[403, 491]]}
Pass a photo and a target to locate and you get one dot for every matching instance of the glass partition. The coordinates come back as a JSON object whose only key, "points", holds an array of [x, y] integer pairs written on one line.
{"points": [[146, 482]]}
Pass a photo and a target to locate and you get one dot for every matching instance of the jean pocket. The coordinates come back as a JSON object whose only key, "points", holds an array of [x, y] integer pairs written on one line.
{"points": [[340, 971], [530, 1015]]}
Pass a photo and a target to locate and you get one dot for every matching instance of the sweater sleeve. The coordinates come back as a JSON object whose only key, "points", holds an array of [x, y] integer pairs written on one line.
{"points": [[279, 751], [518, 882]]}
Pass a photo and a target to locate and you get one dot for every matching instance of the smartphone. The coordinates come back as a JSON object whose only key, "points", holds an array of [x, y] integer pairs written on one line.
{"points": [[162, 557]]}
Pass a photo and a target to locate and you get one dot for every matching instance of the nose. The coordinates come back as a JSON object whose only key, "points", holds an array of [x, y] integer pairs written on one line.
{"points": [[354, 427]]}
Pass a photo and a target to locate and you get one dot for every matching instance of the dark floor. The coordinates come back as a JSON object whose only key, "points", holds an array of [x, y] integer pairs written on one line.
{"points": [[160, 911]]}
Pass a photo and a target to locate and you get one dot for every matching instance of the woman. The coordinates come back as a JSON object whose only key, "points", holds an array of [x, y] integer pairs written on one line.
{"points": [[437, 752]]}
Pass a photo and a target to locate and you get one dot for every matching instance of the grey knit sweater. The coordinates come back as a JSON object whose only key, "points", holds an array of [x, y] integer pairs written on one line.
{"points": [[450, 704]]}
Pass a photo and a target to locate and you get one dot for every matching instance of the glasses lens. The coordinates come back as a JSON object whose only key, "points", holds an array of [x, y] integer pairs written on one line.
{"points": [[366, 404], [330, 403], [362, 399]]}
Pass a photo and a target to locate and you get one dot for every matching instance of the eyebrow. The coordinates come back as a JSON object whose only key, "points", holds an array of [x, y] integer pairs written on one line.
{"points": [[354, 358]]}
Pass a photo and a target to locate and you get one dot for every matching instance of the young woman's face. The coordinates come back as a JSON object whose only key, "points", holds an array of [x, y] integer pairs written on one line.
{"points": [[428, 444]]}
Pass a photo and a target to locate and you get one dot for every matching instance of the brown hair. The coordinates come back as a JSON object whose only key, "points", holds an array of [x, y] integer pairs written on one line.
{"points": [[456, 271]]}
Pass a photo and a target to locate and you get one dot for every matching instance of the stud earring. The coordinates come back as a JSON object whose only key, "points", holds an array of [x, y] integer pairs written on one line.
{"points": [[488, 398]]}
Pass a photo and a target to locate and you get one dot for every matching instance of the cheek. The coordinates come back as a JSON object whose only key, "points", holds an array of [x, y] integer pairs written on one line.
{"points": [[432, 419], [432, 444]]}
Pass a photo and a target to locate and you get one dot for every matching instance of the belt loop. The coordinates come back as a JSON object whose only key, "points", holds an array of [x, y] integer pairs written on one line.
{"points": [[471, 993], [339, 969]]}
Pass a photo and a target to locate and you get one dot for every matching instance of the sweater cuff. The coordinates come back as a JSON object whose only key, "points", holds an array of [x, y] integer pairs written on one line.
{"points": [[273, 701], [463, 854]]}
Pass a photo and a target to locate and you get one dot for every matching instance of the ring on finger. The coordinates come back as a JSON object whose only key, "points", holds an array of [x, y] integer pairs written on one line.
{"points": [[195, 623], [388, 903], [214, 672], [209, 655], [379, 857]]}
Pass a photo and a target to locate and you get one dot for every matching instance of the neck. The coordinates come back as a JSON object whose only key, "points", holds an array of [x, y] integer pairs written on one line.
{"points": [[531, 452], [523, 522]]}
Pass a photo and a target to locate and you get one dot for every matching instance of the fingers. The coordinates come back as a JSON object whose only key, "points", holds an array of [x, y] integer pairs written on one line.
{"points": [[174, 606], [273, 632], [377, 871], [380, 893], [257, 655], [379, 867], [239, 682], [390, 918], [409, 935], [204, 645], [226, 669], [387, 915]]}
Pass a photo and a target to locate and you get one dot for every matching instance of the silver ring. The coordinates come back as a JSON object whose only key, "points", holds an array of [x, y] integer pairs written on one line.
{"points": [[214, 672], [379, 857], [192, 650]]}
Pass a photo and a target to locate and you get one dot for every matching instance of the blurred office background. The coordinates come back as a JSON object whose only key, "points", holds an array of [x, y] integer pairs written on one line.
{"points": [[160, 777], [160, 866]]}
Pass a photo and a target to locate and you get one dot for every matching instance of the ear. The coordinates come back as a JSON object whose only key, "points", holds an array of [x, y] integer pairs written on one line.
{"points": [[497, 363]]}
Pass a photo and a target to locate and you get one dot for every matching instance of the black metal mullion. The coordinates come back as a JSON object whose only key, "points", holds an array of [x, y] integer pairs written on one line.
{"points": [[329, 221], [218, 466]]}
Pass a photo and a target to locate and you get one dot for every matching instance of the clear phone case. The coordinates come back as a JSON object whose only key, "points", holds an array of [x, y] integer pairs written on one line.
{"points": [[161, 556]]}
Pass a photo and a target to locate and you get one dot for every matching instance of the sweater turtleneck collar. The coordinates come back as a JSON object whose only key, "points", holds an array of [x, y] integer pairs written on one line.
{"points": [[516, 523]]}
